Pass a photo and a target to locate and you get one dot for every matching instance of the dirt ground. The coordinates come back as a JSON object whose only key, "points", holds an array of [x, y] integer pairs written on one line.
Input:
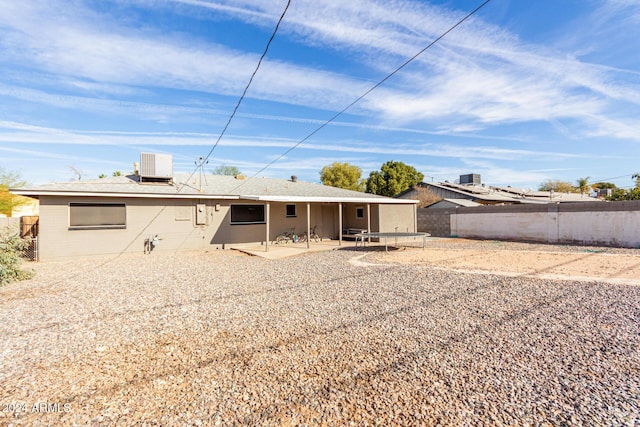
{"points": [[519, 259]]}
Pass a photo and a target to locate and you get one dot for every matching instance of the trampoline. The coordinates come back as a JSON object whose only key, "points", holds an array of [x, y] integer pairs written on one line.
{"points": [[360, 237]]}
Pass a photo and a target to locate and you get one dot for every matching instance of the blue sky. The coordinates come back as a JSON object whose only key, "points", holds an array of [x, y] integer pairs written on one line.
{"points": [[520, 93]]}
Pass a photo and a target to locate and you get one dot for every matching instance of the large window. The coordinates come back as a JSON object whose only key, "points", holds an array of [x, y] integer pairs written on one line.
{"points": [[247, 214], [97, 215]]}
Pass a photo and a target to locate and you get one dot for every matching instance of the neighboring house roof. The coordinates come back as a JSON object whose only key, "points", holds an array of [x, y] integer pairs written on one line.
{"points": [[453, 202], [213, 187], [498, 195]]}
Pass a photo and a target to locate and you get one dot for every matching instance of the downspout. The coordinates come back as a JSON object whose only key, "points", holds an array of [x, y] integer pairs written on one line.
{"points": [[369, 220]]}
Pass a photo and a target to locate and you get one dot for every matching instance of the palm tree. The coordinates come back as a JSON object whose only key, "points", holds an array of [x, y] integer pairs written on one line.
{"points": [[583, 185]]}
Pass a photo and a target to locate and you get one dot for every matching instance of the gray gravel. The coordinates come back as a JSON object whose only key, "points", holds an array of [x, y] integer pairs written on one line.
{"points": [[224, 339]]}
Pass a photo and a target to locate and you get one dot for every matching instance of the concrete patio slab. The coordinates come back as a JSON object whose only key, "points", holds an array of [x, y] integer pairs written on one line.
{"points": [[278, 251]]}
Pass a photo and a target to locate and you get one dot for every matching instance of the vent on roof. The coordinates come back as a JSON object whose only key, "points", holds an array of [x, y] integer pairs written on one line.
{"points": [[294, 178], [156, 168]]}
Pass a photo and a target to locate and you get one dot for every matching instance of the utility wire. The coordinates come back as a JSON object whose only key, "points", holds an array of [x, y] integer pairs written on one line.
{"points": [[615, 177], [244, 93], [338, 114], [217, 141]]}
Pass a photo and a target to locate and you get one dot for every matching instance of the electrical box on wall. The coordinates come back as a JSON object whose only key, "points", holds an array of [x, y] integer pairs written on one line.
{"points": [[201, 214]]}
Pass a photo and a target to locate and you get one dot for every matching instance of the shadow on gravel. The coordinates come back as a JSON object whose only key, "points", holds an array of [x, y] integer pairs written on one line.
{"points": [[375, 248], [550, 268], [322, 392]]}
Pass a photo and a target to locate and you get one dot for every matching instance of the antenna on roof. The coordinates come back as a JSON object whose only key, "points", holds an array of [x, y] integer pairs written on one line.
{"points": [[77, 171], [201, 164]]}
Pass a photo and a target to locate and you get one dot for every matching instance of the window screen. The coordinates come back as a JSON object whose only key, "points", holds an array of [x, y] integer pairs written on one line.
{"points": [[97, 215], [359, 212], [291, 210], [247, 214]]}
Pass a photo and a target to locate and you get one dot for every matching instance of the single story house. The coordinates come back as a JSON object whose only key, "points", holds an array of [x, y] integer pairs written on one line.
{"points": [[121, 214]]}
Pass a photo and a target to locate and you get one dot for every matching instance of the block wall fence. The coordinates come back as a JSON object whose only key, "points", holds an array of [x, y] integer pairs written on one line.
{"points": [[583, 223]]}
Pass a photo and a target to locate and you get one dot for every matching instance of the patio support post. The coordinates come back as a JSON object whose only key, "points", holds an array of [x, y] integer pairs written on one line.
{"points": [[339, 224], [369, 220], [308, 225], [266, 242]]}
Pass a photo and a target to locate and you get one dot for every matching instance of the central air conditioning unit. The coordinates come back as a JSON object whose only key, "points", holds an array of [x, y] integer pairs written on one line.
{"points": [[156, 168], [470, 179]]}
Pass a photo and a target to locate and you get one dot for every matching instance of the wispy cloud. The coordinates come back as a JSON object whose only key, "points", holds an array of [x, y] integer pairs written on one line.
{"points": [[482, 93], [479, 71], [29, 134]]}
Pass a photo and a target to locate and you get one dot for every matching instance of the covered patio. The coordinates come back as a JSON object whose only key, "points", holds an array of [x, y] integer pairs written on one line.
{"points": [[345, 217]]}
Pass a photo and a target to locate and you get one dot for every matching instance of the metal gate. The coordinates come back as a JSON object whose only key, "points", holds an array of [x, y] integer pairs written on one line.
{"points": [[29, 229]]}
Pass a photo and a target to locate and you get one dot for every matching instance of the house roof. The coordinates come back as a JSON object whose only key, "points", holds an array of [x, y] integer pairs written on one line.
{"points": [[459, 202], [185, 186], [492, 195]]}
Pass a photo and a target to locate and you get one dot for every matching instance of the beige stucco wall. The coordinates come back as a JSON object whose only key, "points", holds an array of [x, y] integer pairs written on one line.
{"points": [[349, 218], [534, 226], [611, 228], [321, 215], [397, 218], [174, 221]]}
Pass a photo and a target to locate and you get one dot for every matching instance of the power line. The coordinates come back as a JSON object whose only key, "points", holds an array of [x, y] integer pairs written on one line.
{"points": [[338, 114], [244, 93], [144, 229], [615, 177]]}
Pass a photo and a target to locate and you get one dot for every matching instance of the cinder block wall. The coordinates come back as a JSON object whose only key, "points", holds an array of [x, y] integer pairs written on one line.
{"points": [[436, 222]]}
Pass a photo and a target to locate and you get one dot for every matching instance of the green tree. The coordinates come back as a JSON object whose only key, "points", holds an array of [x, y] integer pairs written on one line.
{"points": [[115, 173], [622, 194], [342, 175], [583, 185], [604, 185], [9, 201], [631, 194], [226, 170], [393, 178], [557, 186]]}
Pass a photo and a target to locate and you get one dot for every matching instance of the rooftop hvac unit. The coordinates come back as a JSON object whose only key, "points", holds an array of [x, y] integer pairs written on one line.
{"points": [[470, 179], [605, 192], [156, 167]]}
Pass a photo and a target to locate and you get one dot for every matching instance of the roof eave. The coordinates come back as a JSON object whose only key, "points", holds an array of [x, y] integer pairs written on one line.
{"points": [[316, 199], [270, 198], [40, 193]]}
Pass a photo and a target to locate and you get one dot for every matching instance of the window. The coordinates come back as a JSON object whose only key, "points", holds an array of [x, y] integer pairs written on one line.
{"points": [[291, 210], [359, 212], [247, 214], [97, 215]]}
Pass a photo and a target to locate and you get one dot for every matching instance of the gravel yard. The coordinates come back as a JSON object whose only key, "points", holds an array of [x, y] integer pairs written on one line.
{"points": [[221, 338]]}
